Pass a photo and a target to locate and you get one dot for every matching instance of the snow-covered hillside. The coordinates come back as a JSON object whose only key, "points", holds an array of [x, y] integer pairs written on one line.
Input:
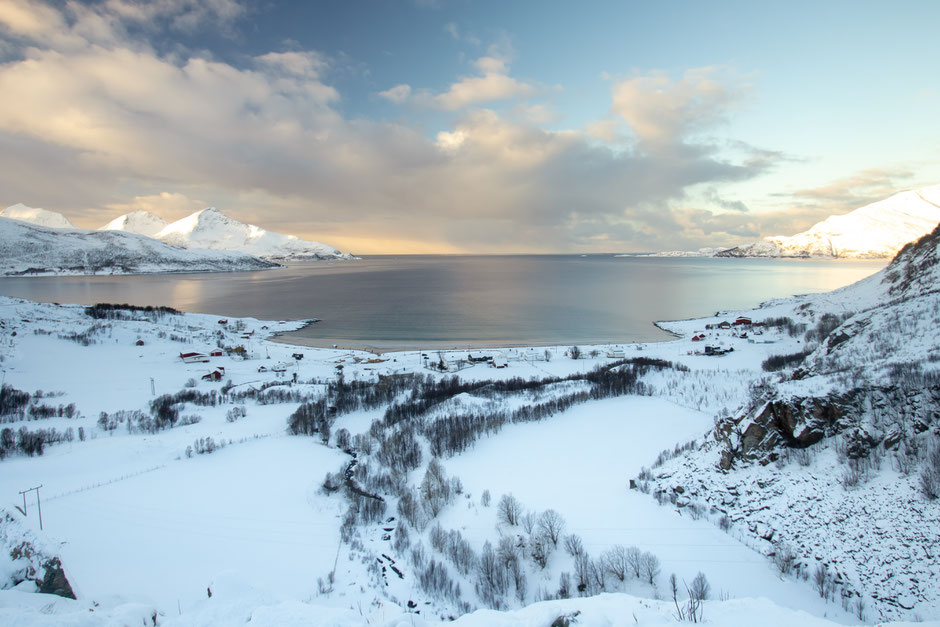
{"points": [[212, 229], [28, 249], [39, 217], [876, 230], [140, 222], [843, 443]]}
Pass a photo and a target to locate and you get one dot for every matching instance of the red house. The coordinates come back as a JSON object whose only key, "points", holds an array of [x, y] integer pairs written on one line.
{"points": [[215, 375], [742, 321], [216, 353]]}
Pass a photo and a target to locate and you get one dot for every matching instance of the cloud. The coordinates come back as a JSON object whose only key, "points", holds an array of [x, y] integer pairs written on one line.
{"points": [[94, 116], [492, 83], [851, 192], [397, 94], [306, 64], [662, 112], [712, 196]]}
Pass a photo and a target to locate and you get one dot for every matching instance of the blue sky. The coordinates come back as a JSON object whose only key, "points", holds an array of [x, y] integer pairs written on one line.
{"points": [[420, 126]]}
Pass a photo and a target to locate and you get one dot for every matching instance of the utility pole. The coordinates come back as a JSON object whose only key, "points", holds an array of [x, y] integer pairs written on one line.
{"points": [[38, 503], [153, 392]]}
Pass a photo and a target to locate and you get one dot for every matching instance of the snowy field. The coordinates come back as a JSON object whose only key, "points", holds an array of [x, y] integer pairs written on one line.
{"points": [[144, 524]]}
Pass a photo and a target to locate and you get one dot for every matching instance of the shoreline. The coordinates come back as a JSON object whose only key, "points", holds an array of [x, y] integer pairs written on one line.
{"points": [[380, 347]]}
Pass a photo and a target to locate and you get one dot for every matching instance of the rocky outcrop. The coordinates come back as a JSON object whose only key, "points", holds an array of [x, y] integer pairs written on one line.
{"points": [[866, 416], [30, 559], [54, 580]]}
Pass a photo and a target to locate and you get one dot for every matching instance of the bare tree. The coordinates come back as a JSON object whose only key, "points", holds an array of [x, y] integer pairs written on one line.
{"points": [[700, 587], [527, 521], [615, 561], [551, 525], [485, 498], [635, 561], [650, 565], [509, 510], [573, 545]]}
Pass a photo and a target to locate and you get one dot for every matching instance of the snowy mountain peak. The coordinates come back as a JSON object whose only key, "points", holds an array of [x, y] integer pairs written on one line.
{"points": [[876, 230], [140, 222], [212, 229], [41, 217]]}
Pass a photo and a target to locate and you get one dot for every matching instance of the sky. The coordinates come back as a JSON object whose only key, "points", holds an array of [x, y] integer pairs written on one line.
{"points": [[464, 126]]}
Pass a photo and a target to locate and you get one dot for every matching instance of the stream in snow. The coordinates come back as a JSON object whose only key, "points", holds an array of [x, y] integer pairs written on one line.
{"points": [[424, 300]]}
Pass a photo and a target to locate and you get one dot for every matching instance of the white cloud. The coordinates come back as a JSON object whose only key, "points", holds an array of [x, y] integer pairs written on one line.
{"points": [[494, 83], [662, 111], [397, 94], [307, 64]]}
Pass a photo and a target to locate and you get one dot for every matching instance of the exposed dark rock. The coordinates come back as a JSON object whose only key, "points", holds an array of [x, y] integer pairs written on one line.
{"points": [[55, 581]]}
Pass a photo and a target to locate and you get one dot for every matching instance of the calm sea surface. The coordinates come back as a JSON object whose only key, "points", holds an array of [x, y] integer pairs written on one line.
{"points": [[426, 301]]}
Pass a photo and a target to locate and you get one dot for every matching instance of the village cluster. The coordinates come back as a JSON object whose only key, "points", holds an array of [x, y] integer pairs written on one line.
{"points": [[719, 333]]}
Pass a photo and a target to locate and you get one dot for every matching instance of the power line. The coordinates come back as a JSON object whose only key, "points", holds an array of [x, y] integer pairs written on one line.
{"points": [[38, 503]]}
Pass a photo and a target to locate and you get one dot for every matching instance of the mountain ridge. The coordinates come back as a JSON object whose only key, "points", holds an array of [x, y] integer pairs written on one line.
{"points": [[211, 229], [874, 231], [40, 217], [30, 249]]}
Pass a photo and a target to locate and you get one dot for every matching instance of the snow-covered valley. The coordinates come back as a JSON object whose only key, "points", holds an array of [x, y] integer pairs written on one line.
{"points": [[272, 484]]}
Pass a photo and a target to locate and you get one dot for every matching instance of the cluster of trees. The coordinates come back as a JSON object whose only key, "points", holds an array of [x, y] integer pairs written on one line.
{"points": [[34, 442], [612, 379], [450, 434], [86, 337], [235, 413], [312, 418], [779, 362], [826, 324], [204, 446], [789, 325], [930, 473], [435, 492], [13, 402], [111, 311], [140, 422]]}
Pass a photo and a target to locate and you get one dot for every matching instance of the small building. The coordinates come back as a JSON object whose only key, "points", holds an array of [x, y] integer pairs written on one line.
{"points": [[499, 362], [298, 356], [194, 358], [262, 369], [215, 375], [139, 342], [477, 357], [223, 321], [742, 321], [698, 338], [615, 353], [724, 325], [216, 353]]}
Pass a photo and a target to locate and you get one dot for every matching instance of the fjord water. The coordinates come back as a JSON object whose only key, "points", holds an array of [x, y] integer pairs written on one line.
{"points": [[435, 300]]}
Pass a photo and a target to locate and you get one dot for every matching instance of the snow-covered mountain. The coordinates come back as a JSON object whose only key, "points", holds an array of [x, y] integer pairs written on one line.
{"points": [[140, 222], [41, 217], [212, 229], [31, 249], [877, 230]]}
